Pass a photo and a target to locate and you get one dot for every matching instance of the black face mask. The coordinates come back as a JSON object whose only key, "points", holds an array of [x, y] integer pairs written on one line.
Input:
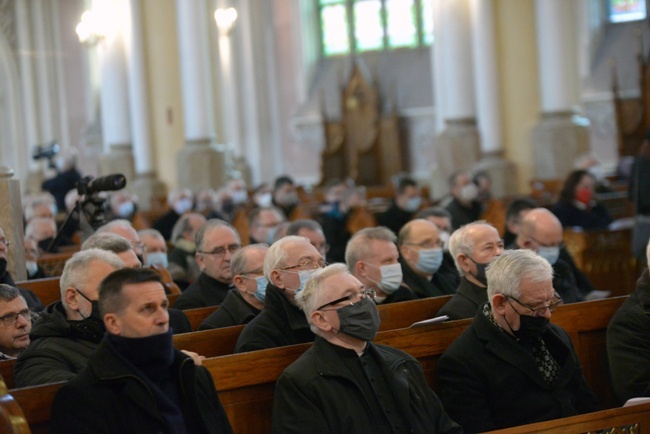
{"points": [[480, 271], [531, 327], [91, 328], [44, 244], [360, 320], [3, 266]]}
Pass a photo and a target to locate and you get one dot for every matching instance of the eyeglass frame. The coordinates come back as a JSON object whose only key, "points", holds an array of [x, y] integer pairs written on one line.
{"points": [[439, 245], [13, 317], [551, 307], [560, 246], [6, 242], [221, 251], [365, 292], [317, 265]]}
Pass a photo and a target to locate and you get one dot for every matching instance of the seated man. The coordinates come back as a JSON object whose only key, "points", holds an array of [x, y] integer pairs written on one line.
{"points": [[285, 196], [35, 305], [263, 222], [179, 201], [473, 247], [311, 230], [464, 206], [70, 330], [155, 248], [442, 219], [182, 258], [15, 322], [628, 343], [288, 264], [542, 232], [345, 383], [428, 270], [406, 202], [512, 366], [372, 257], [246, 300], [124, 229], [116, 244], [136, 381], [514, 215], [216, 242]]}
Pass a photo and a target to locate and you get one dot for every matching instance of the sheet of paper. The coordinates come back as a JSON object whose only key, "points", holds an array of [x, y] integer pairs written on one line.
{"points": [[430, 321]]}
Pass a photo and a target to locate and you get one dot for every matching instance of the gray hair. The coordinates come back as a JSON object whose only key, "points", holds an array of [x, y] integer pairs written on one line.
{"points": [[239, 260], [8, 292], [119, 223], [359, 247], [461, 242], [295, 226], [209, 225], [176, 194], [182, 226], [33, 228], [30, 208], [107, 241], [277, 253], [647, 253], [433, 211], [506, 272], [309, 298], [151, 232], [76, 270]]}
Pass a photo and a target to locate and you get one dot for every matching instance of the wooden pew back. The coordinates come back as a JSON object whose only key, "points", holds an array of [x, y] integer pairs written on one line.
{"points": [[46, 289], [52, 263], [198, 315]]}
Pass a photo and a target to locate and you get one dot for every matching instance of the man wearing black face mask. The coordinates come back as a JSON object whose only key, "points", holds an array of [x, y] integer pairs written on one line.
{"points": [[367, 387], [472, 246], [512, 366], [70, 330]]}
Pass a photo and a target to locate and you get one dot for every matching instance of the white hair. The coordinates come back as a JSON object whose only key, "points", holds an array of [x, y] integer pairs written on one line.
{"points": [[309, 299], [77, 271], [277, 253], [506, 272], [461, 242]]}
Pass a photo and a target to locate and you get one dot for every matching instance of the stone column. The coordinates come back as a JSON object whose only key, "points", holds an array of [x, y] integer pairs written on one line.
{"points": [[559, 137], [458, 144], [146, 186], [486, 80], [199, 164], [11, 222], [115, 113]]}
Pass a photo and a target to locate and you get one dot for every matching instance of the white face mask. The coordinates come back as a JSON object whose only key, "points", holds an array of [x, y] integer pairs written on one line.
{"points": [[238, 196], [413, 204], [469, 192], [158, 258], [264, 200], [304, 276], [391, 277], [32, 267], [444, 237], [125, 209], [551, 254], [182, 206]]}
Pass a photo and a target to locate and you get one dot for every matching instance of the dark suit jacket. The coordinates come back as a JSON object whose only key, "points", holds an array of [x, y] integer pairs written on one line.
{"points": [[466, 302], [487, 380]]}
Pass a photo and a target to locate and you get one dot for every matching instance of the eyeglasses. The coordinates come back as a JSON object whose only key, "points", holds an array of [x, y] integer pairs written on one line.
{"points": [[139, 246], [6, 242], [560, 245], [306, 265], [352, 298], [10, 319], [428, 244], [555, 302], [221, 251]]}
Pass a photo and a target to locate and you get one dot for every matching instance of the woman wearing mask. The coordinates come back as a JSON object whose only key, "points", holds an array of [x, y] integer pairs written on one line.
{"points": [[577, 206]]}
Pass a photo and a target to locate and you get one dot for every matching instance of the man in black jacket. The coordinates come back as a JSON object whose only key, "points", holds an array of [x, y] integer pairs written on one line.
{"points": [[346, 384], [246, 300], [136, 381], [216, 242], [511, 366], [288, 264], [473, 247]]}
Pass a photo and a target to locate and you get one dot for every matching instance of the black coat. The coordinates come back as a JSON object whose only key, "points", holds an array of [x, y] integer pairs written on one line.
{"points": [[444, 281], [628, 344], [109, 397], [165, 224], [206, 291], [401, 294], [487, 380], [394, 218], [317, 394], [234, 310], [466, 302], [33, 302], [280, 324], [596, 218], [461, 215]]}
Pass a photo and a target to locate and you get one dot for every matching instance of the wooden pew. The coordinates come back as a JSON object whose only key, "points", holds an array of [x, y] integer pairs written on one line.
{"points": [[7, 372], [198, 315], [605, 257], [46, 289], [219, 342], [52, 263], [12, 418], [616, 420], [36, 404]]}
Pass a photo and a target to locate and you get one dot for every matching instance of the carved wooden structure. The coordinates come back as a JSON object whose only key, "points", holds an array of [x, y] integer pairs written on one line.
{"points": [[364, 144]]}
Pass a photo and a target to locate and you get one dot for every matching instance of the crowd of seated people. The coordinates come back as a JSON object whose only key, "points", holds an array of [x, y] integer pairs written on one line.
{"points": [[256, 268]]}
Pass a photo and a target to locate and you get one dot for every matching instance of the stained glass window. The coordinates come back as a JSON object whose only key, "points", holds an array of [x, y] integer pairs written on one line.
{"points": [[371, 25]]}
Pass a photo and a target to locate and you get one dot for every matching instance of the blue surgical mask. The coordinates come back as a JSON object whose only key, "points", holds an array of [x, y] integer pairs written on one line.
{"points": [[391, 277], [413, 204], [430, 260], [158, 258], [260, 294], [551, 254], [125, 209], [304, 276]]}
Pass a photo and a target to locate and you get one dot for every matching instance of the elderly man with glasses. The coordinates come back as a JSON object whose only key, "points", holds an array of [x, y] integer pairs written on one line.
{"points": [[15, 322], [345, 383], [216, 242], [512, 366], [288, 264]]}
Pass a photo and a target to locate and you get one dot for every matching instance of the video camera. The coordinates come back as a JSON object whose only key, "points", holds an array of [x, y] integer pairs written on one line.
{"points": [[48, 150], [88, 186]]}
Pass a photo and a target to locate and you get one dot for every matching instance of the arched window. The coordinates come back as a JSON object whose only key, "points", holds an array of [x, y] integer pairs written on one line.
{"points": [[355, 26]]}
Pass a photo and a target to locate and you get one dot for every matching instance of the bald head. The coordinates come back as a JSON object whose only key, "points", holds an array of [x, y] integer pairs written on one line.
{"points": [[539, 228]]}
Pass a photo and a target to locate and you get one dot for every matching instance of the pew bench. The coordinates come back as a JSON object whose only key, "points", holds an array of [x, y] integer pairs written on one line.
{"points": [[198, 315], [46, 289]]}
